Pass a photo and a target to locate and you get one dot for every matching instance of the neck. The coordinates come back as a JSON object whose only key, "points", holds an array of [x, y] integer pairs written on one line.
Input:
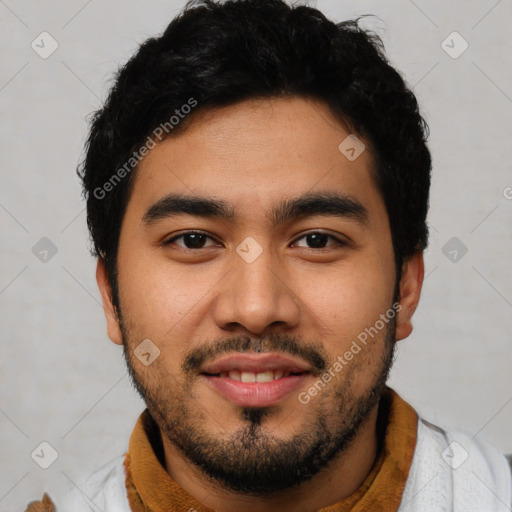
{"points": [[343, 476]]}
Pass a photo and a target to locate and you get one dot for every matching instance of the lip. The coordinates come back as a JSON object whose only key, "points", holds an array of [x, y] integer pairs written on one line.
{"points": [[256, 394], [253, 362]]}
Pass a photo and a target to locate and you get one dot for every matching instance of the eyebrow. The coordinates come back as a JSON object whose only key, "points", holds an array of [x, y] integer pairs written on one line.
{"points": [[307, 205]]}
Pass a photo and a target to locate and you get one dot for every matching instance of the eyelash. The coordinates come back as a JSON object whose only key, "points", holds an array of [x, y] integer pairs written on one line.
{"points": [[338, 242]]}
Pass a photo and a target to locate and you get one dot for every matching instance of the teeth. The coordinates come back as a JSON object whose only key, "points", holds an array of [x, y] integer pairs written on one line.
{"points": [[254, 377], [248, 377], [264, 377]]}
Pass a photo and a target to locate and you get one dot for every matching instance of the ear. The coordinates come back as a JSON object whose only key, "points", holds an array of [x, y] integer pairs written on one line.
{"points": [[410, 290], [113, 327]]}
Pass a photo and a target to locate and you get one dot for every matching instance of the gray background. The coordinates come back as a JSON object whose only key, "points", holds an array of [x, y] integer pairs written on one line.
{"points": [[64, 382]]}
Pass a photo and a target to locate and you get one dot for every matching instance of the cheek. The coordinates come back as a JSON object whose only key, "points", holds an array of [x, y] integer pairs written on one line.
{"points": [[160, 298], [350, 298], [347, 311]]}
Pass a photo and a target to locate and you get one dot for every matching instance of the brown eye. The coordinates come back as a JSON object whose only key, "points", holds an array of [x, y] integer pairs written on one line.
{"points": [[191, 240], [317, 240]]}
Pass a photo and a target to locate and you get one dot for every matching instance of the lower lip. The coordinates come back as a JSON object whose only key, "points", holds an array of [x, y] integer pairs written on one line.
{"points": [[256, 394]]}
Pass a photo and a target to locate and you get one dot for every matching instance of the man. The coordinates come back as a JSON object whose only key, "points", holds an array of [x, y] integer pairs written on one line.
{"points": [[227, 150]]}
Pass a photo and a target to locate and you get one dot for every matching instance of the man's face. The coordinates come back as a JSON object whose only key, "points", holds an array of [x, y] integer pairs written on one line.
{"points": [[288, 289]]}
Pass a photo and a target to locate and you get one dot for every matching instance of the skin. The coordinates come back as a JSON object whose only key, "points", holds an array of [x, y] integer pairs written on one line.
{"points": [[254, 155]]}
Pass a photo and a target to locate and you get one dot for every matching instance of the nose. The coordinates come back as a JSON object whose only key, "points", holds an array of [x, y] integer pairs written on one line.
{"points": [[257, 296]]}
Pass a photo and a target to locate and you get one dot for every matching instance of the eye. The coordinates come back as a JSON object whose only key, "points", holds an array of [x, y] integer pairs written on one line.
{"points": [[191, 240], [318, 240], [197, 240]]}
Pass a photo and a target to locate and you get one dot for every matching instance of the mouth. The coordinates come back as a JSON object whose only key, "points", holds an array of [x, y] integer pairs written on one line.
{"points": [[247, 377], [256, 380]]}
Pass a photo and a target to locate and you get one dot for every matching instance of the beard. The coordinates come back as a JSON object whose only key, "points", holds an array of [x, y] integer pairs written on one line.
{"points": [[251, 460]]}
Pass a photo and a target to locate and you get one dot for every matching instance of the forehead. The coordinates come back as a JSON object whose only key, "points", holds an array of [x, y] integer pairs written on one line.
{"points": [[256, 153]]}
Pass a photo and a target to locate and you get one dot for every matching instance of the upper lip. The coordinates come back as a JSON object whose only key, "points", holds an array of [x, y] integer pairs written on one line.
{"points": [[256, 363]]}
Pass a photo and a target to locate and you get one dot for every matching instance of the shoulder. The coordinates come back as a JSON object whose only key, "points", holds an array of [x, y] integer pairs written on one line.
{"points": [[457, 448], [454, 469], [103, 490]]}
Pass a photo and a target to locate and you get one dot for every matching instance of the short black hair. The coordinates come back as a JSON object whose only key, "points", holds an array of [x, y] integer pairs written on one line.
{"points": [[216, 54]]}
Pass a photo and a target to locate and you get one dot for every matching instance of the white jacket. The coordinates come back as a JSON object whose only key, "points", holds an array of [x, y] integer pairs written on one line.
{"points": [[450, 472]]}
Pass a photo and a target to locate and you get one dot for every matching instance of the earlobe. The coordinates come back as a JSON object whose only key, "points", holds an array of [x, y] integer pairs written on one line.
{"points": [[410, 291], [113, 327]]}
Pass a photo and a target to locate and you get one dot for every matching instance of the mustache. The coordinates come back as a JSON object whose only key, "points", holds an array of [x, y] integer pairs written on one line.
{"points": [[313, 353]]}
